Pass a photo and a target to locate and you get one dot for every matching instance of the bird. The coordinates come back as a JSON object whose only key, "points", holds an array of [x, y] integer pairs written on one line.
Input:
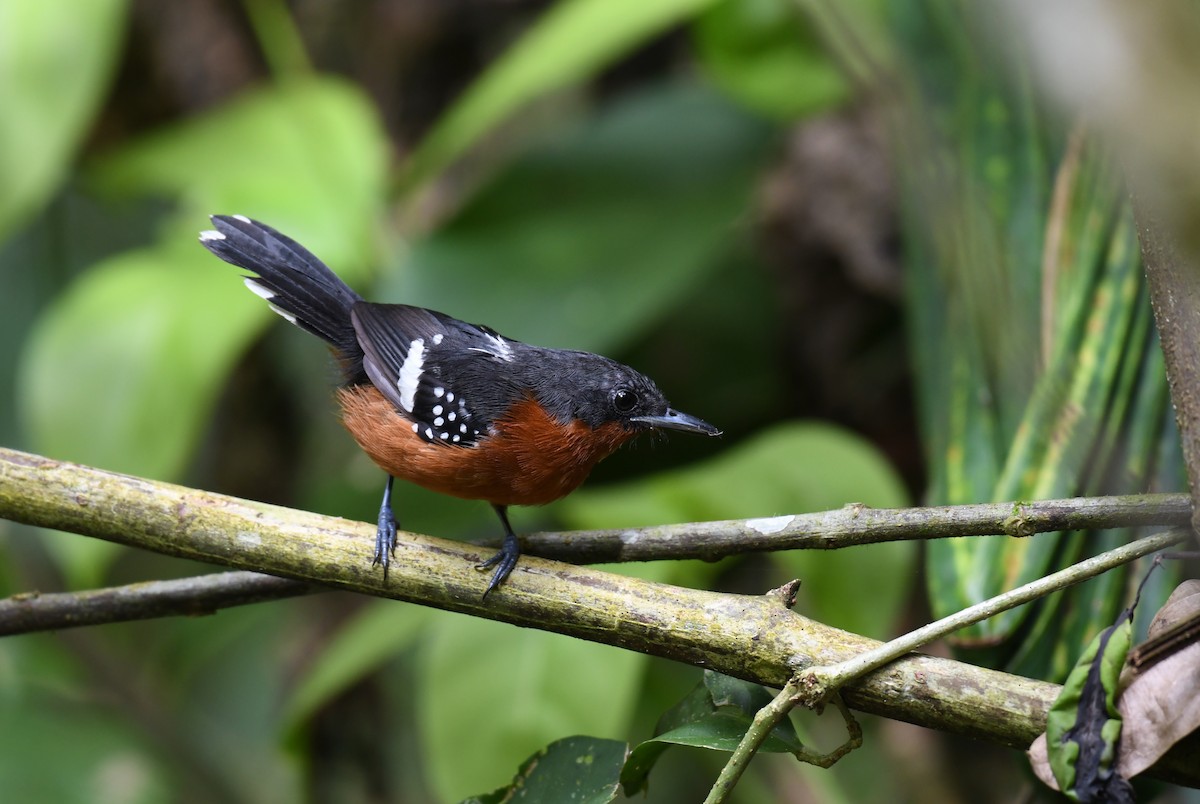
{"points": [[453, 407]]}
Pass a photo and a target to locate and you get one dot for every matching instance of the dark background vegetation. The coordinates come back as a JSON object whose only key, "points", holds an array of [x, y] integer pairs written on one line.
{"points": [[831, 230]]}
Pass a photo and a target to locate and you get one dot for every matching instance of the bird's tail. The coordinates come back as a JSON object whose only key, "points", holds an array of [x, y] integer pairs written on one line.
{"points": [[292, 280]]}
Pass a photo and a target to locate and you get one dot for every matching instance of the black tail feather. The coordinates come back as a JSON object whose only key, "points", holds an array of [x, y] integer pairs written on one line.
{"points": [[292, 280]]}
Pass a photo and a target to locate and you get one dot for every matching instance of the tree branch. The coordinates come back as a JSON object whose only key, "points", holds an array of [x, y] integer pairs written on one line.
{"points": [[1173, 277], [756, 638], [27, 612], [856, 525], [850, 526]]}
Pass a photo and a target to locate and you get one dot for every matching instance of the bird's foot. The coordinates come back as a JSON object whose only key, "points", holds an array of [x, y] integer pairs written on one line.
{"points": [[385, 535], [385, 541], [504, 562]]}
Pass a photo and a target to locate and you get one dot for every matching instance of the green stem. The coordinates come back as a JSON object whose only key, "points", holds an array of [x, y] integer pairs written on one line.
{"points": [[765, 720], [820, 682]]}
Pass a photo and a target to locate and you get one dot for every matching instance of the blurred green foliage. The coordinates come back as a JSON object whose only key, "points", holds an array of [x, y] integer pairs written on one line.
{"points": [[766, 55], [56, 60], [1039, 370], [616, 216], [583, 242], [572, 41]]}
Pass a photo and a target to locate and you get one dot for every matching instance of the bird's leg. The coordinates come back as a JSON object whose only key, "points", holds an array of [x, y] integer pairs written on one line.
{"points": [[385, 537], [506, 559]]}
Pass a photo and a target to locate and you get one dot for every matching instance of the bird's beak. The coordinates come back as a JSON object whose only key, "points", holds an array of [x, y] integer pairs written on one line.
{"points": [[674, 420]]}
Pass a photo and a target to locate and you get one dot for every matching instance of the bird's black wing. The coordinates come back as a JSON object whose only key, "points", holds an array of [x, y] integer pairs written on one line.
{"points": [[445, 375]]}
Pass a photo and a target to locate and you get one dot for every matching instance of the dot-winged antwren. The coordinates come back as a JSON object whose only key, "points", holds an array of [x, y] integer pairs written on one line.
{"points": [[454, 407]]}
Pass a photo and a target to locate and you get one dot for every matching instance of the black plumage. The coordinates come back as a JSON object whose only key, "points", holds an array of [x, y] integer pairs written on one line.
{"points": [[452, 406]]}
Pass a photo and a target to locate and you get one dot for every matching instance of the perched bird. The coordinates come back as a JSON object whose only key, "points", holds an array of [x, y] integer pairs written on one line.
{"points": [[454, 407]]}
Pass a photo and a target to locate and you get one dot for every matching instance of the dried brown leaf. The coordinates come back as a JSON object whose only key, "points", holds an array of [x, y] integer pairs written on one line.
{"points": [[1161, 704]]}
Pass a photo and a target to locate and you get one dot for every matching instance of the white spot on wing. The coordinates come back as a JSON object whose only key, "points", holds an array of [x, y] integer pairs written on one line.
{"points": [[241, 218], [438, 392], [437, 410], [410, 373], [438, 338], [210, 234]]}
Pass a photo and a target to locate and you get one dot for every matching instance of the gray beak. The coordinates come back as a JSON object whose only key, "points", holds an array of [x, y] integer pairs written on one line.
{"points": [[674, 420]]}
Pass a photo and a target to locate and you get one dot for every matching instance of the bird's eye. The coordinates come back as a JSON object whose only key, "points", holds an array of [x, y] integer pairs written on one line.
{"points": [[625, 400]]}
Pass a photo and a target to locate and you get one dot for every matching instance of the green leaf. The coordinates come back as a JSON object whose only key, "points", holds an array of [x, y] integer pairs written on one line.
{"points": [[571, 246], [377, 632], [575, 769], [762, 53], [583, 769], [56, 60], [1059, 445], [1029, 314], [1083, 725], [309, 157], [569, 42], [122, 370], [714, 715], [492, 693]]}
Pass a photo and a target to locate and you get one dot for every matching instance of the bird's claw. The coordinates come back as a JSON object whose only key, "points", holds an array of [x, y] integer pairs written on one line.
{"points": [[504, 562], [385, 540]]}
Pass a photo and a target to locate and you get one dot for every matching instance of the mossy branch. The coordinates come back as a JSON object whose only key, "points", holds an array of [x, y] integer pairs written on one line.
{"points": [[757, 638], [849, 526]]}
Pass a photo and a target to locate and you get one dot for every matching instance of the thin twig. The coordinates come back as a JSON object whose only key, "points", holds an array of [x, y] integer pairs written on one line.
{"points": [[814, 686], [820, 682], [763, 723], [855, 525], [765, 720], [27, 612]]}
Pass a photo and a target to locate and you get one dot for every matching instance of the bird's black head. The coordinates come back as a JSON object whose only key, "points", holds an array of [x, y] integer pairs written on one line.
{"points": [[597, 391]]}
